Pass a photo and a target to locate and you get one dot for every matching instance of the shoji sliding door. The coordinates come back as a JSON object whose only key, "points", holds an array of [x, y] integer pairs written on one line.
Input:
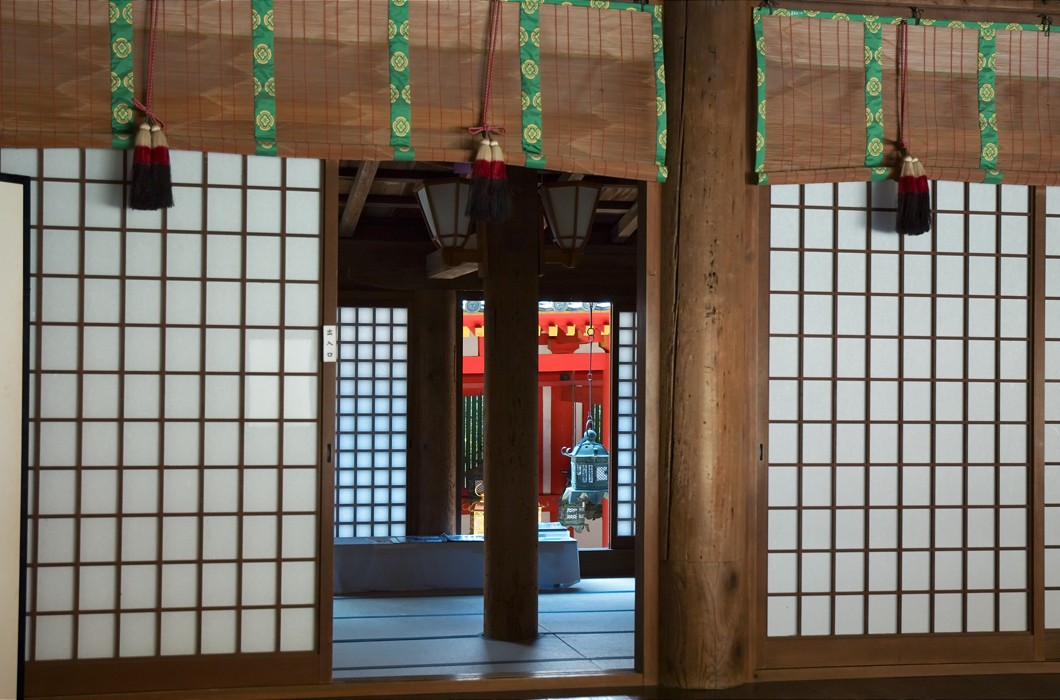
{"points": [[14, 220], [624, 449], [897, 506], [1050, 479], [175, 425], [371, 442]]}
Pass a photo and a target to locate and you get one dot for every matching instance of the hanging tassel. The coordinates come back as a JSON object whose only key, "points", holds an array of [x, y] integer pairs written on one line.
{"points": [[914, 196], [152, 179], [141, 188], [489, 199], [161, 173], [500, 197], [481, 172], [914, 199]]}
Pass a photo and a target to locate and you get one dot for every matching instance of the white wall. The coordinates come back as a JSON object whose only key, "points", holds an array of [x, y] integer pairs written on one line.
{"points": [[11, 231]]}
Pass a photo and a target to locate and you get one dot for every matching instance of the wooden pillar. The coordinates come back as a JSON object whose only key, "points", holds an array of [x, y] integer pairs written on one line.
{"points": [[510, 449], [438, 390], [709, 286]]}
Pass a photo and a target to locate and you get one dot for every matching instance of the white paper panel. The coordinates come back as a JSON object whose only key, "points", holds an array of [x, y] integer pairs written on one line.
{"points": [[224, 169], [220, 539], [54, 639], [259, 582], [258, 630], [138, 634], [303, 210], [138, 584], [143, 254], [224, 210], [263, 212], [297, 629], [219, 585], [99, 539], [187, 215], [99, 491], [224, 256], [218, 631], [98, 587]]}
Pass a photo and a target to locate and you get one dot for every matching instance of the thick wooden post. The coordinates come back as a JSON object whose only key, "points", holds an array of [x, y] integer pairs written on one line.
{"points": [[708, 331], [510, 449], [437, 390]]}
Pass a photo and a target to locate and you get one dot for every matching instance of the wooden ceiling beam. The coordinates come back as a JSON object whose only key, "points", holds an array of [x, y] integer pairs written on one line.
{"points": [[625, 226], [397, 201], [362, 184]]}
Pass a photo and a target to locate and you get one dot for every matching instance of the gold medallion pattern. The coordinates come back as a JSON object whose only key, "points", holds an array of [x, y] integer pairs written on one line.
{"points": [[122, 48], [265, 120], [119, 15], [123, 114], [262, 54]]}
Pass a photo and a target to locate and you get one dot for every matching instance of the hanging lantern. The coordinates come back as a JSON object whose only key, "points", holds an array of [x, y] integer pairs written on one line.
{"points": [[569, 210], [478, 511], [444, 206], [588, 468], [443, 203]]}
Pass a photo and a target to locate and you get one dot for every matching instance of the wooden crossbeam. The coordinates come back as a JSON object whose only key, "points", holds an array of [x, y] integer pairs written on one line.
{"points": [[626, 225], [362, 183]]}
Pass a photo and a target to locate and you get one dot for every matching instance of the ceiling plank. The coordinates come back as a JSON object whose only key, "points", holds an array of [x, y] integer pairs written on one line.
{"points": [[362, 183], [625, 226], [571, 177]]}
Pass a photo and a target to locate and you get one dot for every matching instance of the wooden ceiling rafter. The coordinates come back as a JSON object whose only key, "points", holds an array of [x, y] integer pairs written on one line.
{"points": [[625, 226], [355, 200]]}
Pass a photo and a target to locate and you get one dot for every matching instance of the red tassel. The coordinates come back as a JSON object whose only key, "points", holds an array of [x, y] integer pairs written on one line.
{"points": [[161, 172], [481, 172], [141, 187], [914, 199], [500, 197]]}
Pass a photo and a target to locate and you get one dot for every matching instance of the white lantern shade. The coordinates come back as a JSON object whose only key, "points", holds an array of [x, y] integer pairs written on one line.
{"points": [[444, 207], [569, 209]]}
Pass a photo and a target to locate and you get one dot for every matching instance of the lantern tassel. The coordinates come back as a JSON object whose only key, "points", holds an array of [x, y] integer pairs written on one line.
{"points": [[141, 189], [161, 173], [500, 197], [914, 199], [481, 171]]}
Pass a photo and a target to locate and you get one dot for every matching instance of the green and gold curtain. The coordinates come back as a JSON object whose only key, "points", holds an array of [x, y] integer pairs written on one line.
{"points": [[983, 98], [578, 84]]}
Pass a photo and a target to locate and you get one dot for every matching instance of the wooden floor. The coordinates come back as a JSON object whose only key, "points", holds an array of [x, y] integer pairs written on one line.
{"points": [[1044, 686]]}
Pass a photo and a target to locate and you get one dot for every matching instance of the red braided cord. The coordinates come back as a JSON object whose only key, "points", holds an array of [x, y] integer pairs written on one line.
{"points": [[487, 97], [903, 78], [153, 30]]}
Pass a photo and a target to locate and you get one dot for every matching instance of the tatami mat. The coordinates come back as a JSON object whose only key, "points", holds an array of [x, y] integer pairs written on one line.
{"points": [[584, 629]]}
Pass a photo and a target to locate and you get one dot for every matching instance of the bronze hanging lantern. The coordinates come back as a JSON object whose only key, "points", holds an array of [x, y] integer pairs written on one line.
{"points": [[584, 496], [588, 469]]}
